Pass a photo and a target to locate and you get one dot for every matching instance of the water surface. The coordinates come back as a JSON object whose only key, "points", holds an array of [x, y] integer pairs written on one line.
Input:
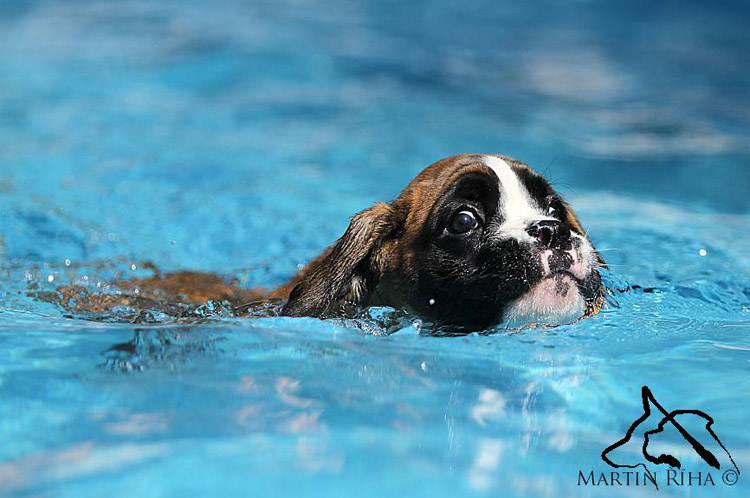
{"points": [[238, 139]]}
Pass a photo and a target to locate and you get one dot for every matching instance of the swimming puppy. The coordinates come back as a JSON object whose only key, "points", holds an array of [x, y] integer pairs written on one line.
{"points": [[472, 241]]}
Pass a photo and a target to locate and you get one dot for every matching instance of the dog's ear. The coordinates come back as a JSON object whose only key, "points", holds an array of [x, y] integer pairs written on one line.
{"points": [[348, 271], [575, 223]]}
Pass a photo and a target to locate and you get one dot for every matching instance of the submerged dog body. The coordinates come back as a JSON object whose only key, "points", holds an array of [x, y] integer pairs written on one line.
{"points": [[472, 241]]}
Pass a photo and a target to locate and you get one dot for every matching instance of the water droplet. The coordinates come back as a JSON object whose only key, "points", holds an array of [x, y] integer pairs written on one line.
{"points": [[133, 267], [432, 302], [702, 252], [423, 366], [67, 262], [300, 266], [50, 278], [136, 291]]}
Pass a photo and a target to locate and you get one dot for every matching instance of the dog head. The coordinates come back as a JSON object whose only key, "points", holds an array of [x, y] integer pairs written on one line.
{"points": [[472, 241]]}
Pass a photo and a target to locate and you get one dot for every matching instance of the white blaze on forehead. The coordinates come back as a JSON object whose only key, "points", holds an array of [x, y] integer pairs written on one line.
{"points": [[516, 205], [555, 299]]}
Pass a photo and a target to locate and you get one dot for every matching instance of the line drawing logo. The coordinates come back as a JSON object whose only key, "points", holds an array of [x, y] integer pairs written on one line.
{"points": [[729, 477]]}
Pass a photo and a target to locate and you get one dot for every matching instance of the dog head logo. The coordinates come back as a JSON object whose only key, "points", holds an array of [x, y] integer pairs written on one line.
{"points": [[693, 426]]}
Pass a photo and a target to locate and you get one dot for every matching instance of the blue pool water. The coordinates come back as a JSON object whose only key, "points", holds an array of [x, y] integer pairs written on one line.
{"points": [[238, 137]]}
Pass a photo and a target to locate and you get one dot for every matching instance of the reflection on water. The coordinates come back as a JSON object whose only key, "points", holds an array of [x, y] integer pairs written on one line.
{"points": [[475, 414], [78, 461]]}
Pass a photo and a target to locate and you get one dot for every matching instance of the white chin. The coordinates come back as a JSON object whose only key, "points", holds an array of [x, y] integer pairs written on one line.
{"points": [[555, 300]]}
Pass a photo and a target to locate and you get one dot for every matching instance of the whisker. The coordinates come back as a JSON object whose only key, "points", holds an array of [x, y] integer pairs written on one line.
{"points": [[558, 183], [549, 166]]}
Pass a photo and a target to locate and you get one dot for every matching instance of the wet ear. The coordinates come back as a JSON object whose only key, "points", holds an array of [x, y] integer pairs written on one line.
{"points": [[575, 224], [348, 271]]}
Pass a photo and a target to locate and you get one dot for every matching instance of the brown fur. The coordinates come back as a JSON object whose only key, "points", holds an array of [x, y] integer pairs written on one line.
{"points": [[375, 245], [379, 241]]}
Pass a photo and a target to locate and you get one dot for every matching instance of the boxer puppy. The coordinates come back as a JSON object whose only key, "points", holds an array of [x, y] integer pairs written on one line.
{"points": [[473, 240]]}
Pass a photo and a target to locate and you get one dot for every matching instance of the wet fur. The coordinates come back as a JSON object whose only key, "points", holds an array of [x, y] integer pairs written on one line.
{"points": [[392, 254], [389, 255]]}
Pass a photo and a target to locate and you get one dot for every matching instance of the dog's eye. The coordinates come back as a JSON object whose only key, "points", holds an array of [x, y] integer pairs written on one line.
{"points": [[462, 221], [555, 210]]}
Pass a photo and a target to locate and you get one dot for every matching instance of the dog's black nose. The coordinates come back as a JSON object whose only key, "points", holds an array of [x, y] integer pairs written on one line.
{"points": [[550, 233]]}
